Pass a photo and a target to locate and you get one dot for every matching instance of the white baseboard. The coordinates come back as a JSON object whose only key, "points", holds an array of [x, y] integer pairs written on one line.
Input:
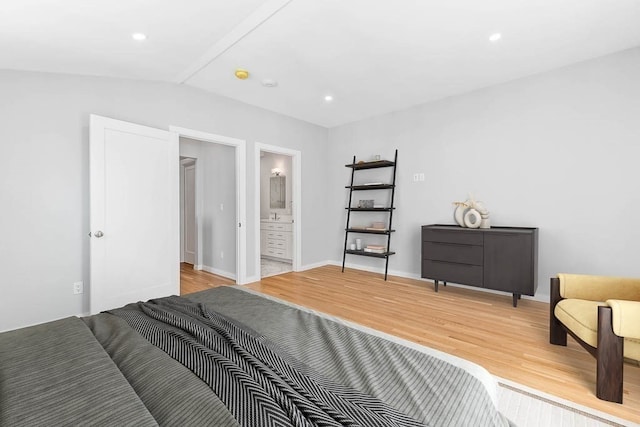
{"points": [[216, 271], [374, 269], [314, 265], [252, 279], [257, 278]]}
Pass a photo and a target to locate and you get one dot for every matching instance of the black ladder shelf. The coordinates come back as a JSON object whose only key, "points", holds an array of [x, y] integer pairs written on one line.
{"points": [[370, 165]]}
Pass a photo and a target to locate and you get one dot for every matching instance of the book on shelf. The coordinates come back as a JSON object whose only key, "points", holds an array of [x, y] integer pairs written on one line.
{"points": [[374, 251], [376, 229]]}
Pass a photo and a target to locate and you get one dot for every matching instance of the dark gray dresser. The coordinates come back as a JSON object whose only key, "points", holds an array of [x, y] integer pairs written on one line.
{"points": [[498, 258]]}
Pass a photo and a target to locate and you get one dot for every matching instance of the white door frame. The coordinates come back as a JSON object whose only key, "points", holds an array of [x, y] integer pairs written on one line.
{"points": [[241, 194], [296, 189]]}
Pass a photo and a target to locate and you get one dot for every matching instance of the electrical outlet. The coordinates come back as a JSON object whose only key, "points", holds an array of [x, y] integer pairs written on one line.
{"points": [[221, 254], [221, 206], [78, 287], [421, 176], [416, 177]]}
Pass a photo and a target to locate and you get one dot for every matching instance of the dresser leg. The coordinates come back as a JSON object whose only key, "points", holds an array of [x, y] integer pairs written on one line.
{"points": [[435, 282], [444, 284], [516, 297]]}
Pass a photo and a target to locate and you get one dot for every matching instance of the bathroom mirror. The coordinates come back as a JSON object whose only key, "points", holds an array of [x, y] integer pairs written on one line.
{"points": [[278, 192]]}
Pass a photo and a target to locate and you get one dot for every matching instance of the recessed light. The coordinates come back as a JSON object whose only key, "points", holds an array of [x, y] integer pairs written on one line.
{"points": [[495, 37], [139, 36], [328, 98]]}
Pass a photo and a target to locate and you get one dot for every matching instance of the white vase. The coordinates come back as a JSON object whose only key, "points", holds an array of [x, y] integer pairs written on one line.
{"points": [[486, 222], [472, 218], [458, 214]]}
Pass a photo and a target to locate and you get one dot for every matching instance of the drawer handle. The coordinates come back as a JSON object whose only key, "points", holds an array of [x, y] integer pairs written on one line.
{"points": [[456, 263], [453, 244]]}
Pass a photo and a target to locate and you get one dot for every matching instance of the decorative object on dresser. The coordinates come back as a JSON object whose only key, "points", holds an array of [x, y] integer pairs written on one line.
{"points": [[499, 258], [472, 219], [369, 205], [471, 214]]}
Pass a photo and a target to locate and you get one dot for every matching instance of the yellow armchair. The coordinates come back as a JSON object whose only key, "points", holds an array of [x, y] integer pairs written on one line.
{"points": [[603, 315]]}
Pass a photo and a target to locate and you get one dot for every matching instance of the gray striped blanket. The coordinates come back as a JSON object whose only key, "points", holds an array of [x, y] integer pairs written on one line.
{"points": [[260, 384], [99, 371]]}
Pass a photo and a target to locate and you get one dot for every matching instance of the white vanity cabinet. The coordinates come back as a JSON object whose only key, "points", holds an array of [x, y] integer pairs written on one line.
{"points": [[276, 240]]}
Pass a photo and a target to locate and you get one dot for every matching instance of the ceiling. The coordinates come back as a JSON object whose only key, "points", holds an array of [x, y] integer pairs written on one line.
{"points": [[372, 56]]}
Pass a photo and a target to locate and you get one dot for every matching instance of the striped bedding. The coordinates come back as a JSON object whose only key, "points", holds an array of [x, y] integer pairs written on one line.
{"points": [[100, 371]]}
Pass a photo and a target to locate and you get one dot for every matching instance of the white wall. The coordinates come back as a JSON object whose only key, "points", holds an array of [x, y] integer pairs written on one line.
{"points": [[44, 193], [558, 151], [268, 162]]}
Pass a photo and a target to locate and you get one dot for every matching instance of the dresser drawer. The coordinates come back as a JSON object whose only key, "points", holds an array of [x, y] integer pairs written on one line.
{"points": [[276, 244], [464, 274], [275, 226], [452, 252], [276, 235], [461, 236], [275, 252]]}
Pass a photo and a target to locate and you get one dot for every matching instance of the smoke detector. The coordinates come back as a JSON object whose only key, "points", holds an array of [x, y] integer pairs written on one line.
{"points": [[269, 83]]}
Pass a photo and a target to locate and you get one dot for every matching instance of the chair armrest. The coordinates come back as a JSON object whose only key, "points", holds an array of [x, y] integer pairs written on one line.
{"points": [[625, 318], [599, 288]]}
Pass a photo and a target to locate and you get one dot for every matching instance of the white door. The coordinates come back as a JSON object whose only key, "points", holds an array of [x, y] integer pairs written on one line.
{"points": [[190, 240], [134, 217]]}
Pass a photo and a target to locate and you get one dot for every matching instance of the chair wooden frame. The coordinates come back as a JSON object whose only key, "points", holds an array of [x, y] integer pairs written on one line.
{"points": [[609, 352]]}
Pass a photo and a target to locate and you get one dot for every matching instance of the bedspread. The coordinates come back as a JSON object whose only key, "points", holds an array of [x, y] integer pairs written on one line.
{"points": [[260, 383], [100, 371]]}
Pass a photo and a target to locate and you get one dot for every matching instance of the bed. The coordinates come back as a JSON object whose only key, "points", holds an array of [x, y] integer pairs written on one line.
{"points": [[254, 361]]}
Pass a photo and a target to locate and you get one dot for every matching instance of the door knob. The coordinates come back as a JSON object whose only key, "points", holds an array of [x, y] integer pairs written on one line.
{"points": [[99, 234]]}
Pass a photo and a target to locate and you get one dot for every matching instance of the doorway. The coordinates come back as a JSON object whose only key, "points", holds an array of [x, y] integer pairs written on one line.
{"points": [[188, 231], [277, 213], [219, 205]]}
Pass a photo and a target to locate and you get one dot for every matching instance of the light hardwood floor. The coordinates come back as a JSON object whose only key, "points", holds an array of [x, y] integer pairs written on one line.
{"points": [[509, 342], [195, 280]]}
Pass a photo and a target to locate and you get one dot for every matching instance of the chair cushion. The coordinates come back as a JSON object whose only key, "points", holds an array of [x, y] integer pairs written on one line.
{"points": [[599, 288], [581, 317], [632, 348], [626, 318]]}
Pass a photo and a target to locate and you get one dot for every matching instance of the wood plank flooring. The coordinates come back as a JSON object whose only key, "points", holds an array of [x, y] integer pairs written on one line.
{"points": [[484, 328], [195, 280]]}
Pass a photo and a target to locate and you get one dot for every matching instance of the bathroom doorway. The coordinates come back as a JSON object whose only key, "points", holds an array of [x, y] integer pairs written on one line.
{"points": [[278, 214]]}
